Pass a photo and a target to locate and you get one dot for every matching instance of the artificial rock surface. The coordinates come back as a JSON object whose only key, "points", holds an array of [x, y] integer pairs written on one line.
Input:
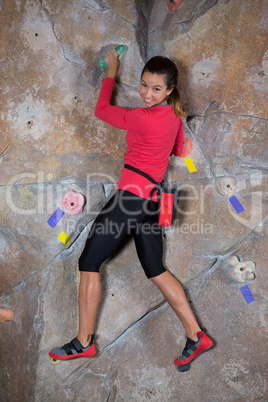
{"points": [[51, 143]]}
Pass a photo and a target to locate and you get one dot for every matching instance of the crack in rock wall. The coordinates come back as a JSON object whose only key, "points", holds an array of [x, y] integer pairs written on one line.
{"points": [[52, 143]]}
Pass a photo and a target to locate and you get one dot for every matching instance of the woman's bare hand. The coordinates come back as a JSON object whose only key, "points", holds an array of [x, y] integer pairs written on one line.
{"points": [[113, 63]]}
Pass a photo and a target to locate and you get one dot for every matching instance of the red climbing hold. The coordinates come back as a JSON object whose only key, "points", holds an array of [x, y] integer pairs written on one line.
{"points": [[173, 4], [187, 147]]}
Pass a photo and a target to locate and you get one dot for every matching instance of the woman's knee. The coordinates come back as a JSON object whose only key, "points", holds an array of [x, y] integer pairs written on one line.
{"points": [[153, 273], [88, 267]]}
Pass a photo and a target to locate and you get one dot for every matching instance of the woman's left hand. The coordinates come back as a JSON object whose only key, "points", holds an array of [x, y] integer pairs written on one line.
{"points": [[113, 63]]}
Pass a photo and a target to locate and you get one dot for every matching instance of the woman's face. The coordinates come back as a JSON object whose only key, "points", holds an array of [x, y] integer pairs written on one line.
{"points": [[153, 89]]}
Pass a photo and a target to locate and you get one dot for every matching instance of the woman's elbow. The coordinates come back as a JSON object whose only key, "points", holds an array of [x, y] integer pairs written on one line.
{"points": [[177, 151], [98, 112]]}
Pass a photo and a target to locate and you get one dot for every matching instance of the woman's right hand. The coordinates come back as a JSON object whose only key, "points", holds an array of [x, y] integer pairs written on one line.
{"points": [[113, 63]]}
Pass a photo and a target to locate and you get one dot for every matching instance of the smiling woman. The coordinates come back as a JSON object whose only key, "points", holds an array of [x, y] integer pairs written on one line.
{"points": [[160, 76], [153, 134], [153, 90]]}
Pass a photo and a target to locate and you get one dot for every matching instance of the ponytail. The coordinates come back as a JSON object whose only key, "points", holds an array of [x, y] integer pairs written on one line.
{"points": [[163, 66], [174, 99]]}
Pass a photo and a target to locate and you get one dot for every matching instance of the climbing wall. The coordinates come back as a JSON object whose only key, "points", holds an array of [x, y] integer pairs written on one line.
{"points": [[53, 145]]}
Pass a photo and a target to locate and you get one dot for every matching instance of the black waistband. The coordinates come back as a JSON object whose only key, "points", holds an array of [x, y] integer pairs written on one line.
{"points": [[141, 173], [157, 186]]}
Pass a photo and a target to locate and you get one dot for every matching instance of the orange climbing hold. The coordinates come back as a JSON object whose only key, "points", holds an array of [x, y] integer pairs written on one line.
{"points": [[173, 4], [187, 147], [6, 314]]}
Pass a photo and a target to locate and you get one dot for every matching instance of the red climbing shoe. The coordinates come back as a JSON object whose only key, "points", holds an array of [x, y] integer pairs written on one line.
{"points": [[193, 349], [72, 350]]}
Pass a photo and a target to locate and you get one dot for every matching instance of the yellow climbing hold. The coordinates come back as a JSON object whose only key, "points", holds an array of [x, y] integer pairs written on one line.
{"points": [[64, 238], [190, 165]]}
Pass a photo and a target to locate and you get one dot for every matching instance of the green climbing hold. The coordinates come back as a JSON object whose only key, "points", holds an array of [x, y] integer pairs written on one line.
{"points": [[119, 50]]}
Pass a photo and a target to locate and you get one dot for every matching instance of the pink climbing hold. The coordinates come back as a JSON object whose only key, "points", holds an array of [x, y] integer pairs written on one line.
{"points": [[6, 314], [72, 203], [173, 4]]}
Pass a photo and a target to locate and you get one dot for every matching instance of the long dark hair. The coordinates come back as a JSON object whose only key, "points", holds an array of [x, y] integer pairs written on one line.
{"points": [[163, 66]]}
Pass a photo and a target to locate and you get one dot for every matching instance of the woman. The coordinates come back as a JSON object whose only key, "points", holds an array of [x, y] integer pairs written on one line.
{"points": [[154, 132]]}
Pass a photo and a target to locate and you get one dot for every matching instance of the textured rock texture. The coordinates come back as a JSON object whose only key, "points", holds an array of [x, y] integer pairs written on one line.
{"points": [[52, 143]]}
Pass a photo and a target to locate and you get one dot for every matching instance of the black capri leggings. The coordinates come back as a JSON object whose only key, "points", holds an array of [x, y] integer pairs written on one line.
{"points": [[125, 214]]}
